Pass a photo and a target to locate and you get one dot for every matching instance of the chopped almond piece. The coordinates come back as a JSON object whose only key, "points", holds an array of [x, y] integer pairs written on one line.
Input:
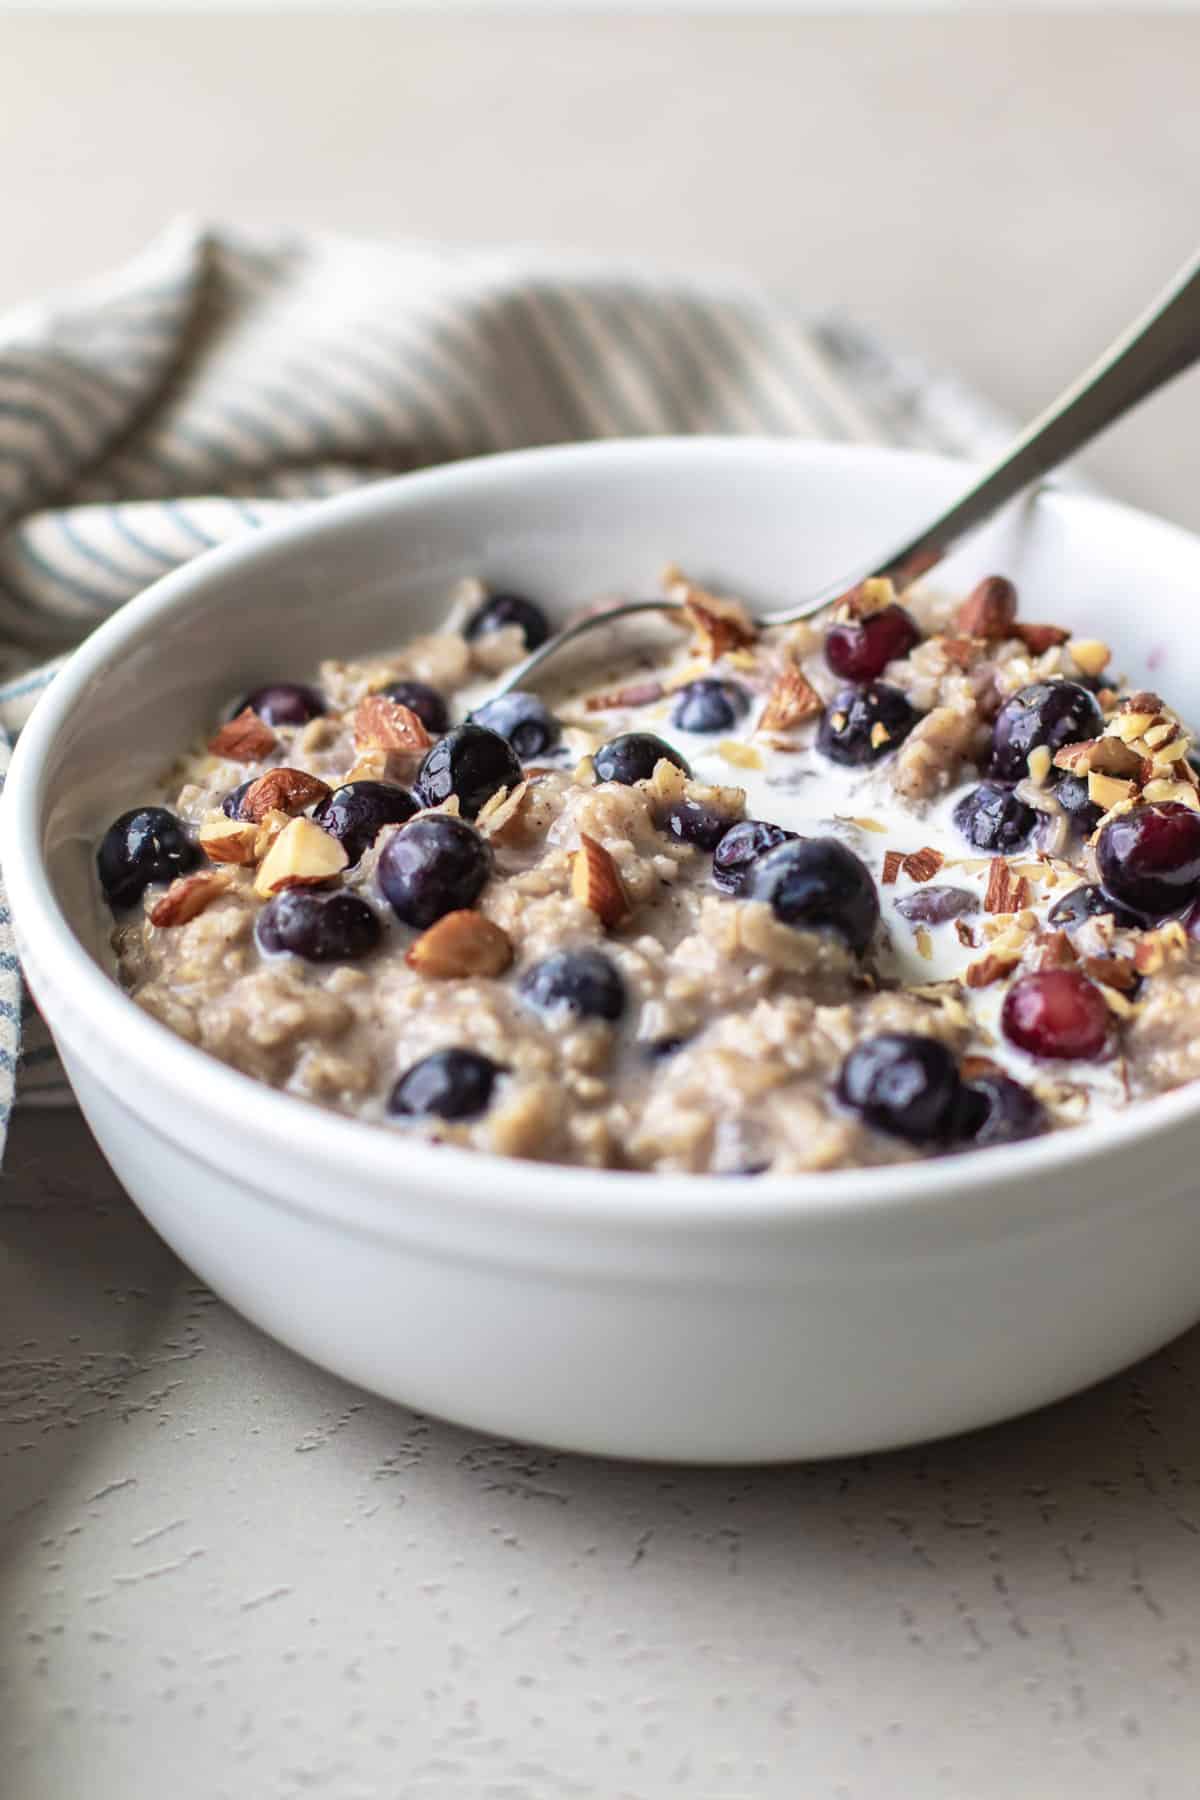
{"points": [[383, 724], [638, 693], [282, 790], [459, 944], [1107, 791], [1107, 755], [227, 840], [922, 865], [972, 1067], [742, 756], [870, 596], [1182, 792], [989, 610], [1088, 654], [302, 856], [880, 735], [500, 817], [990, 968], [966, 936], [1039, 638], [792, 700], [719, 624], [596, 881], [893, 862], [244, 739], [959, 650], [1118, 972], [187, 896], [1005, 894]]}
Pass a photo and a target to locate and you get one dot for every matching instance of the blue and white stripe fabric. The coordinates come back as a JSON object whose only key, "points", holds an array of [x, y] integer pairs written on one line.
{"points": [[222, 381]]}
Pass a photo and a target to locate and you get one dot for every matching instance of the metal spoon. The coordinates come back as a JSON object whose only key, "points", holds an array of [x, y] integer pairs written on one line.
{"points": [[1160, 344]]}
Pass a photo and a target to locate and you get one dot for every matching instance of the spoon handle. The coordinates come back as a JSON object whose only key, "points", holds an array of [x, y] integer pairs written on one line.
{"points": [[1160, 344]]}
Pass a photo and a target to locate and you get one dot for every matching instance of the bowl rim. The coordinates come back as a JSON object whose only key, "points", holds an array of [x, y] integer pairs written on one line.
{"points": [[531, 1190]]}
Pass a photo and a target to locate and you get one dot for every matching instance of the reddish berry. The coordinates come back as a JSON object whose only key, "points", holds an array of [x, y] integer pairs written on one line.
{"points": [[861, 649], [1149, 859], [1056, 1013]]}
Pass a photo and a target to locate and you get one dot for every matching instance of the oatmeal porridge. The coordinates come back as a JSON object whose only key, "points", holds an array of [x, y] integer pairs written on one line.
{"points": [[915, 879]]}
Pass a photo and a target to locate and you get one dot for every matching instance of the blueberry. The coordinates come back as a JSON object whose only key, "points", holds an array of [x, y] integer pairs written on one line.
{"points": [[658, 1049], [523, 721], [862, 724], [905, 1085], [319, 927], [500, 610], [231, 805], [1052, 713], [992, 818], [450, 1084], [817, 882], [433, 866], [998, 1110], [469, 761], [1149, 859], [1088, 902], [709, 705], [356, 813], [691, 822], [145, 845], [584, 982], [429, 706], [936, 904], [1071, 792], [285, 703], [740, 845], [633, 757]]}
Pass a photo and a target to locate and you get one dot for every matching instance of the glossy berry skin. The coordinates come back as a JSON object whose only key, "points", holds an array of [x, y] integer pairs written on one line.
{"points": [[433, 866], [861, 649], [450, 1084], [146, 845], [739, 846], [584, 983], [469, 761], [1149, 859], [905, 1085], [1071, 792], [1052, 713], [499, 610], [691, 822], [992, 818], [321, 928], [285, 703], [633, 757], [523, 721], [708, 705], [429, 706], [817, 882], [1088, 902], [356, 813], [936, 904], [231, 805], [1056, 1013], [852, 725], [999, 1110]]}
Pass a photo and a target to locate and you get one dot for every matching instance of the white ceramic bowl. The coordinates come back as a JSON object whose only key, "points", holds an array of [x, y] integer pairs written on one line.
{"points": [[685, 1318]]}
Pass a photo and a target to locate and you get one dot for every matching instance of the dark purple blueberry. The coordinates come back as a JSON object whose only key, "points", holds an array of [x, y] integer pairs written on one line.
{"points": [[935, 905], [585, 983], [658, 1049], [1089, 902], [499, 610], [905, 1085], [862, 724], [634, 756], [285, 703], [319, 927], [231, 805], [1056, 1013], [469, 761], [356, 813], [523, 721], [992, 818], [998, 1110], [740, 845], [450, 1084], [817, 882], [1052, 713], [146, 845], [691, 822], [429, 706], [1071, 792], [861, 649], [434, 866], [709, 705], [1149, 859]]}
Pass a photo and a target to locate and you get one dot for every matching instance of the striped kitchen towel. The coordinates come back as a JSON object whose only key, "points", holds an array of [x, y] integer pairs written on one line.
{"points": [[222, 381]]}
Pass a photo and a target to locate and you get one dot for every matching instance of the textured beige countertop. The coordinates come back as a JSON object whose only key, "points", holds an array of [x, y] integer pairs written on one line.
{"points": [[227, 1576]]}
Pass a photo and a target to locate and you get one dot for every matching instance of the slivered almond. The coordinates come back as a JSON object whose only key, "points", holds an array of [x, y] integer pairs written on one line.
{"points": [[1107, 791], [1038, 762], [461, 943], [500, 818], [1183, 792], [989, 610], [870, 596], [792, 700], [268, 830], [378, 765], [1118, 972], [383, 724], [302, 856], [742, 756], [187, 896], [1108, 755], [719, 624], [893, 862], [1054, 951], [1088, 654], [1005, 893], [227, 840], [282, 790], [966, 936], [638, 693], [596, 881], [989, 968], [1131, 724], [922, 865], [247, 738], [1039, 638], [880, 735]]}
